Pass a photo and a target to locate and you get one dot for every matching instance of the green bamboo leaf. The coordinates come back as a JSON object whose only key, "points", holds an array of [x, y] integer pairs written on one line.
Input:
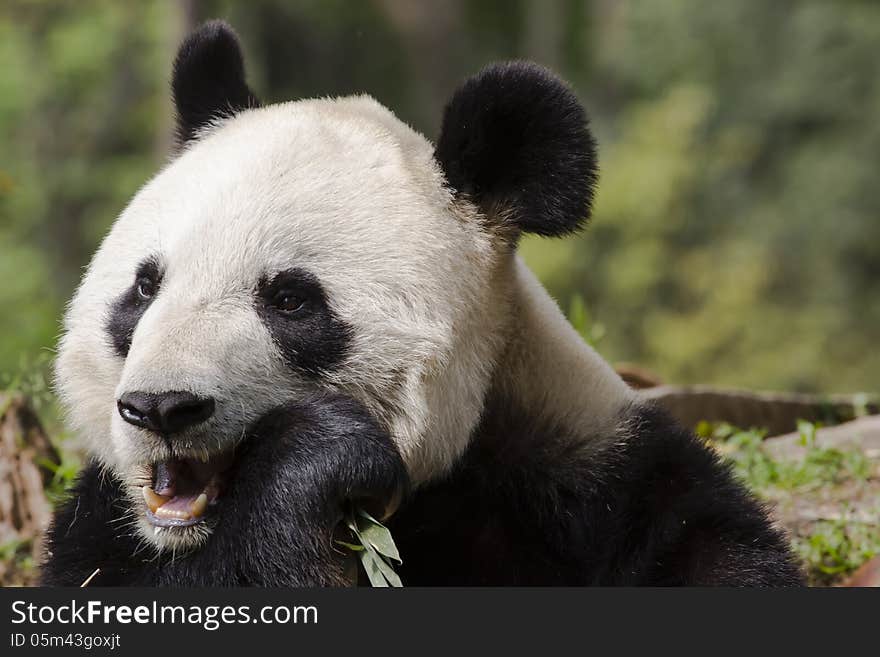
{"points": [[351, 546], [392, 577], [376, 534], [370, 561], [375, 550]]}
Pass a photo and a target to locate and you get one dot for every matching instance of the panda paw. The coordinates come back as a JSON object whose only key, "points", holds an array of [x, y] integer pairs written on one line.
{"points": [[297, 470]]}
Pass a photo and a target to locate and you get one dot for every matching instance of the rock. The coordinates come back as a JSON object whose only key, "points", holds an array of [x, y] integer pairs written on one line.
{"points": [[867, 575], [776, 412], [637, 377], [844, 510], [863, 434]]}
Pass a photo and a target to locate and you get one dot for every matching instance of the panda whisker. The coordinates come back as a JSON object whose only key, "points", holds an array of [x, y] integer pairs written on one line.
{"points": [[141, 545], [243, 427], [146, 544], [122, 518], [75, 514]]}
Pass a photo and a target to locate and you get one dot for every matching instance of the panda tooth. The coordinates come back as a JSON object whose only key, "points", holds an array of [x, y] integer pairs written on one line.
{"points": [[197, 508], [162, 512], [153, 499]]}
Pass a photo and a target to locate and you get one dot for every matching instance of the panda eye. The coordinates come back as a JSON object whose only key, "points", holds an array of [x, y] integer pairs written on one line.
{"points": [[146, 288], [289, 302]]}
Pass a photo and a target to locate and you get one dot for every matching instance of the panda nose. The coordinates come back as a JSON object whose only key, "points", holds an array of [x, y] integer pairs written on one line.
{"points": [[164, 412]]}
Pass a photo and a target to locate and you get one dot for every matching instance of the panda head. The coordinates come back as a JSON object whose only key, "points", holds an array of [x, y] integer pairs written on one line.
{"points": [[307, 246]]}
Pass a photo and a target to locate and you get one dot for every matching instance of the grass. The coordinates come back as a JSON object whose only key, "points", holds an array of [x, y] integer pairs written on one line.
{"points": [[32, 381], [17, 562], [831, 548], [836, 548], [591, 331], [821, 466]]}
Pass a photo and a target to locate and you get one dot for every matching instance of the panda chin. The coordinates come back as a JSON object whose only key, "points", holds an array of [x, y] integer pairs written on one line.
{"points": [[185, 491]]}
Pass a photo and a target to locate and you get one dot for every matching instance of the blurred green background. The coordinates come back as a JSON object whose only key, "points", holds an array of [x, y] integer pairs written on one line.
{"points": [[736, 239]]}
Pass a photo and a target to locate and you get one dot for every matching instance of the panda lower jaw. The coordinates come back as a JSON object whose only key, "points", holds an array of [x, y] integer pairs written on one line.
{"points": [[185, 491]]}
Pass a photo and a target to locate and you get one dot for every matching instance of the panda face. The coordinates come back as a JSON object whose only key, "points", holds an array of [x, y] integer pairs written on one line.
{"points": [[311, 246], [304, 246]]}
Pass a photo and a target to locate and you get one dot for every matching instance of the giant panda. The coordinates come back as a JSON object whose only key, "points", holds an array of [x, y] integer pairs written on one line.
{"points": [[311, 306]]}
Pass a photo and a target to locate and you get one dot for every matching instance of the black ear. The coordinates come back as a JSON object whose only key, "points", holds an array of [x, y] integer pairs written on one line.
{"points": [[208, 81], [515, 141]]}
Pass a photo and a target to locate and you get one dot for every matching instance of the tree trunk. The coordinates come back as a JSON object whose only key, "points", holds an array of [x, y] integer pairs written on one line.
{"points": [[26, 457]]}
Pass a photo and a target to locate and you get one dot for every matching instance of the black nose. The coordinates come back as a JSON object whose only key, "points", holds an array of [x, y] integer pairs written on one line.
{"points": [[164, 412]]}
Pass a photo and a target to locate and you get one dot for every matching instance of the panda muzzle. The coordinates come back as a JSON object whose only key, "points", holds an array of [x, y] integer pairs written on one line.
{"points": [[184, 490]]}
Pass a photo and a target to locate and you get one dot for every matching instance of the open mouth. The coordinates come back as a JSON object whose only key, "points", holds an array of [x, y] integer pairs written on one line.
{"points": [[185, 490]]}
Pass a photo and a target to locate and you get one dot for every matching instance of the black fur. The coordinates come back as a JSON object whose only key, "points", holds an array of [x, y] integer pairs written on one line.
{"points": [[209, 79], [298, 468], [313, 339], [515, 141], [127, 310], [650, 506], [525, 505]]}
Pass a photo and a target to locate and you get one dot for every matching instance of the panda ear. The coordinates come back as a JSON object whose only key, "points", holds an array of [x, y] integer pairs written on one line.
{"points": [[515, 141], [208, 80]]}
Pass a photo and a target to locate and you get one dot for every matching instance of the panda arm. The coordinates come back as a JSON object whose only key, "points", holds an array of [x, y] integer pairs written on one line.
{"points": [[90, 529], [695, 523], [297, 471], [298, 467], [531, 504]]}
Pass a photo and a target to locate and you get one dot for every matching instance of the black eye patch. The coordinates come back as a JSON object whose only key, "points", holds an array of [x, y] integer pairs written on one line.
{"points": [[293, 306], [129, 307]]}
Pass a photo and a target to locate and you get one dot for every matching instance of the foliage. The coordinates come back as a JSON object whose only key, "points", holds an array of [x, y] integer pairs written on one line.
{"points": [[31, 381], [372, 543], [17, 562], [830, 548], [63, 476], [735, 237], [838, 547], [80, 110], [820, 466], [590, 330]]}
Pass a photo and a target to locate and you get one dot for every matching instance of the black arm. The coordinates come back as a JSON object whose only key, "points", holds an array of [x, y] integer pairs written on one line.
{"points": [[295, 472]]}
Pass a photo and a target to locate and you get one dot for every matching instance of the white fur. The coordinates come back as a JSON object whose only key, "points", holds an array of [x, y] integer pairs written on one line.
{"points": [[346, 191], [550, 372]]}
